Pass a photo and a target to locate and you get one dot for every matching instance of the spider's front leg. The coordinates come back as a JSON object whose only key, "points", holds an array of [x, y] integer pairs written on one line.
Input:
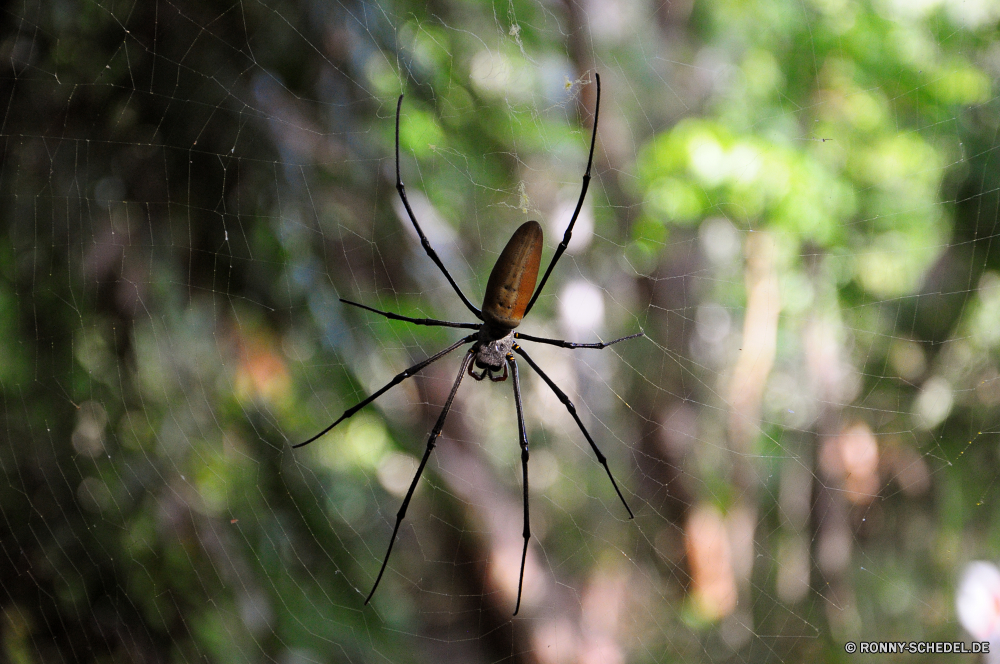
{"points": [[477, 376], [431, 442], [572, 411], [501, 378], [488, 372], [523, 437]]}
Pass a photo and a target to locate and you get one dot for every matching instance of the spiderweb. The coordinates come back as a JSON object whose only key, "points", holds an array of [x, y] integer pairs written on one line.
{"points": [[794, 201]]}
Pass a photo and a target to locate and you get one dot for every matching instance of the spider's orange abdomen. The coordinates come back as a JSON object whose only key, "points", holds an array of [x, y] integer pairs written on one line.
{"points": [[512, 280]]}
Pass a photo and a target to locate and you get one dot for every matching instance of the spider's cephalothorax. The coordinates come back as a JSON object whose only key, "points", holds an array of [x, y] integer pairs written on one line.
{"points": [[491, 356], [510, 294]]}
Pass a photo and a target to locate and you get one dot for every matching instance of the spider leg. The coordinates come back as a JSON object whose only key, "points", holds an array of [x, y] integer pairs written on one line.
{"points": [[569, 344], [423, 238], [415, 321], [579, 204], [399, 378], [524, 472], [501, 378], [431, 442], [572, 411], [477, 376]]}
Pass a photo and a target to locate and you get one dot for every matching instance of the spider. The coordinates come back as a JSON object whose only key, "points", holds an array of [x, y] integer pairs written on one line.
{"points": [[508, 299]]}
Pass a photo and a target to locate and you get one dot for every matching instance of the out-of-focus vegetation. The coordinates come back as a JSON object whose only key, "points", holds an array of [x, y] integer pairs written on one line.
{"points": [[795, 201]]}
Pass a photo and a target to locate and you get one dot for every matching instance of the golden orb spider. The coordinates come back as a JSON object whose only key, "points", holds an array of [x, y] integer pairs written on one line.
{"points": [[508, 299]]}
